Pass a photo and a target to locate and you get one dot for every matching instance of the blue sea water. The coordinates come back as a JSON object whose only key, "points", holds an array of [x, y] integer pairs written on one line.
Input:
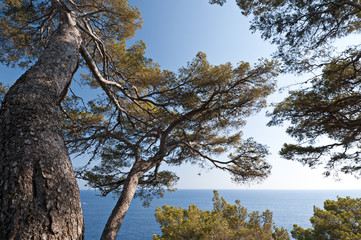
{"points": [[288, 206]]}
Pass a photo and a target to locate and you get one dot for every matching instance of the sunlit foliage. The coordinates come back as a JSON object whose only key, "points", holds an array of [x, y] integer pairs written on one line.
{"points": [[26, 26], [329, 108], [339, 220], [170, 118], [302, 29], [325, 113], [225, 221]]}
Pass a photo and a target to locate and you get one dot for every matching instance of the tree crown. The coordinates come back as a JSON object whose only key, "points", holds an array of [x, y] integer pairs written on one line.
{"points": [[26, 27], [324, 115], [190, 116]]}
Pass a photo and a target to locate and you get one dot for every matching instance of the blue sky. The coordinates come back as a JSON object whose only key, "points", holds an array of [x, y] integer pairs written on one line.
{"points": [[174, 31]]}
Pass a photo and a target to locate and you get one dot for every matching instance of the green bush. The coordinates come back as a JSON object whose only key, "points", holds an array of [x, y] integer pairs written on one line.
{"points": [[224, 222], [340, 220]]}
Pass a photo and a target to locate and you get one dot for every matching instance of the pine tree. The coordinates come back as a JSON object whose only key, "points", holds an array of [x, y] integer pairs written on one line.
{"points": [[224, 221], [169, 118], [39, 196], [324, 114]]}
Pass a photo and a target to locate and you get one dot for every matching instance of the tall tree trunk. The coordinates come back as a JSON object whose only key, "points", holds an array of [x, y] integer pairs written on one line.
{"points": [[39, 195], [116, 218]]}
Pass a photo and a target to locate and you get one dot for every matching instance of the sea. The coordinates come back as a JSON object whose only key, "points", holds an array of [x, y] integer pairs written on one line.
{"points": [[288, 206]]}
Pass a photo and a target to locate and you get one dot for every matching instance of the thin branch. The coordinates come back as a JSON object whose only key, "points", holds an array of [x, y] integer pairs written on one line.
{"points": [[102, 82]]}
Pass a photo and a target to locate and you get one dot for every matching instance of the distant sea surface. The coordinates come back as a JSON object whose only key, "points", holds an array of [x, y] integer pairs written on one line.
{"points": [[288, 206]]}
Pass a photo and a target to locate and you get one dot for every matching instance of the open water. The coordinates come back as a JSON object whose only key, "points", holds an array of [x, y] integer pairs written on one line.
{"points": [[288, 206]]}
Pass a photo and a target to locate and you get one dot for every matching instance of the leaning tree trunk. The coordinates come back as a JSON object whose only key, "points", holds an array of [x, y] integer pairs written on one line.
{"points": [[39, 195], [116, 218]]}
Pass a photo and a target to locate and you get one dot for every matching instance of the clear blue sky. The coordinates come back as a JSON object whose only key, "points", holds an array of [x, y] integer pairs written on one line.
{"points": [[174, 31]]}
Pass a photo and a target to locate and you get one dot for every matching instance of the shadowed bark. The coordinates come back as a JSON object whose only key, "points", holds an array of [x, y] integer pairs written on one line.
{"points": [[39, 195]]}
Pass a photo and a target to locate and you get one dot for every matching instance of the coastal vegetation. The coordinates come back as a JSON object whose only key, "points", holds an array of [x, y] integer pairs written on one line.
{"points": [[338, 220], [168, 119], [225, 221], [142, 117], [324, 112]]}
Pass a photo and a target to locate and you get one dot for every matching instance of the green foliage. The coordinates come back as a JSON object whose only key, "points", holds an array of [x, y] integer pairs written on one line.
{"points": [[302, 29], [146, 117], [329, 108], [169, 118], [325, 117], [225, 221], [26, 26], [219, 2], [3, 90], [22, 32], [340, 220]]}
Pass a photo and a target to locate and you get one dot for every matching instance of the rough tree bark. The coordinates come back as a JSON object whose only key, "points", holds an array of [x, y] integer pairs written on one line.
{"points": [[116, 218], [39, 195]]}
